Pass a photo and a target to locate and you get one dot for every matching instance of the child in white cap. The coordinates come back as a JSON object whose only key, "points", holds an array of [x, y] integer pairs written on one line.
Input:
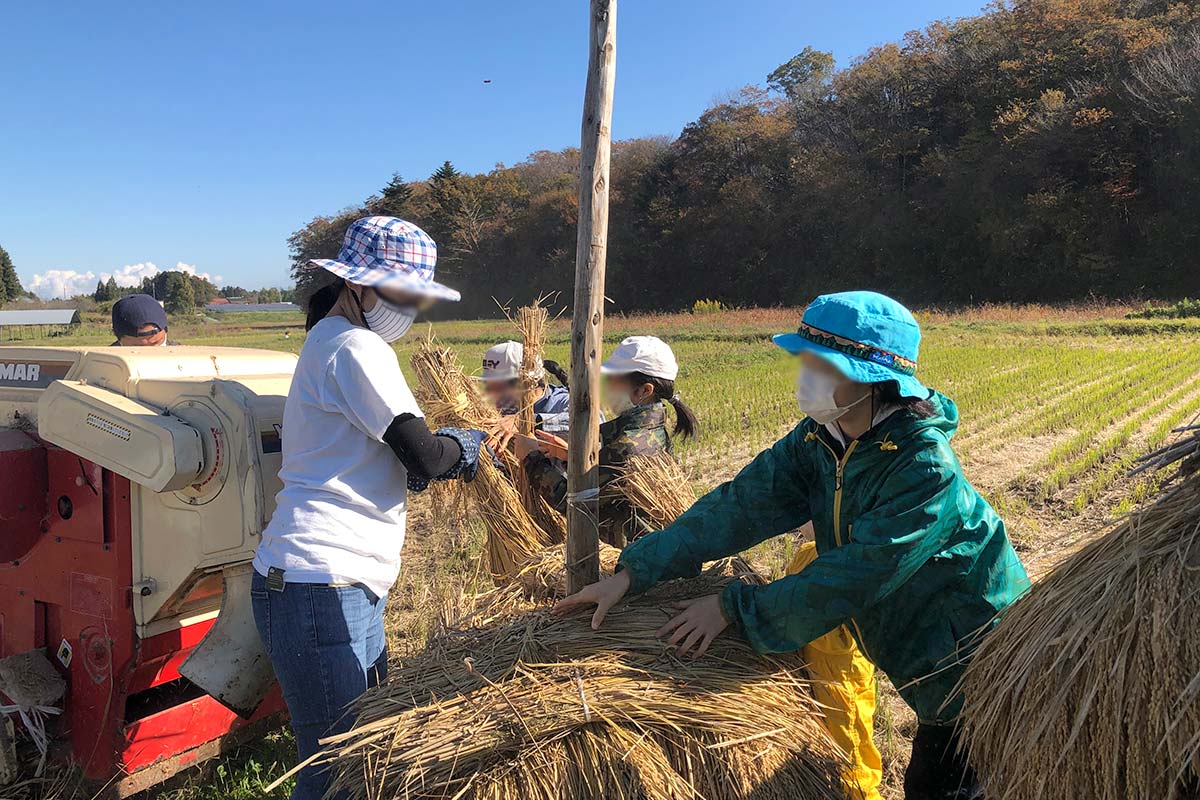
{"points": [[639, 379], [501, 377]]}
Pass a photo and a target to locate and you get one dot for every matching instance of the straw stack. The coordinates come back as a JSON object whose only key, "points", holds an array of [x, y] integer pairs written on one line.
{"points": [[1090, 685], [449, 398], [656, 486], [532, 321], [542, 708], [544, 577]]}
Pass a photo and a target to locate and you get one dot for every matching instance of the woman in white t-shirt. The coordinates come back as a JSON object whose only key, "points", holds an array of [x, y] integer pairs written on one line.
{"points": [[354, 440]]}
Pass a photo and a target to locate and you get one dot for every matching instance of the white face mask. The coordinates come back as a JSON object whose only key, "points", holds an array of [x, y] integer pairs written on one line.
{"points": [[618, 401], [389, 320], [814, 395]]}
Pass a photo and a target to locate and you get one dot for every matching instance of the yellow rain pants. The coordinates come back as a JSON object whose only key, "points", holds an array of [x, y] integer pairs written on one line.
{"points": [[844, 682]]}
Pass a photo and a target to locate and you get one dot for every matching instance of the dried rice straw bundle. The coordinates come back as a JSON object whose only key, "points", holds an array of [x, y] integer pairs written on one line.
{"points": [[1090, 685], [657, 487], [449, 398], [532, 321], [545, 576], [544, 708]]}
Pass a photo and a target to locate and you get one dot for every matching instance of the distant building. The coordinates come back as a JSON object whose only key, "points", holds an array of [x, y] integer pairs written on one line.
{"points": [[231, 308], [219, 301], [39, 322]]}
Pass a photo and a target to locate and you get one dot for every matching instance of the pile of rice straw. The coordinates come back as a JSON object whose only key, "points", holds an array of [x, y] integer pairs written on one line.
{"points": [[544, 577], [449, 398], [657, 487], [1090, 685], [542, 708], [509, 701]]}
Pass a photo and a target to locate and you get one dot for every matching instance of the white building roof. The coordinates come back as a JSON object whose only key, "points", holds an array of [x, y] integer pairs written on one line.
{"points": [[39, 316]]}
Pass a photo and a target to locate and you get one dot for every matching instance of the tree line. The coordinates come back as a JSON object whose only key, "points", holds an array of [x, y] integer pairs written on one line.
{"points": [[267, 294], [1045, 150], [180, 292], [10, 284]]}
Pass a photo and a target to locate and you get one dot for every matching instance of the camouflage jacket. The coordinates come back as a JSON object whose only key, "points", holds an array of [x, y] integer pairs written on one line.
{"points": [[642, 430]]}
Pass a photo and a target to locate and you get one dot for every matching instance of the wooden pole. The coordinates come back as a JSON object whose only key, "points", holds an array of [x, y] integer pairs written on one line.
{"points": [[587, 323]]}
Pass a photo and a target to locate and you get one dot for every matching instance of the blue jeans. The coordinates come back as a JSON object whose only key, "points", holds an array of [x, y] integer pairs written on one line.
{"points": [[327, 646]]}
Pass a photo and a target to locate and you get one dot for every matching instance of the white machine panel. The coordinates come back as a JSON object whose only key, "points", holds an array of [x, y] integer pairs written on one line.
{"points": [[160, 452]]}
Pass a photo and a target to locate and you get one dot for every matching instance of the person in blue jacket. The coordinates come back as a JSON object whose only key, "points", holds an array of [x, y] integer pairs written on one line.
{"points": [[501, 378], [911, 559]]}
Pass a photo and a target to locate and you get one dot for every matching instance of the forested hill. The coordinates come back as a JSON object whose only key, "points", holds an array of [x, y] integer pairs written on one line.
{"points": [[1047, 150]]}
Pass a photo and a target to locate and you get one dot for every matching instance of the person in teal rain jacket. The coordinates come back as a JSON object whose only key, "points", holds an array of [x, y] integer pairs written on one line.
{"points": [[911, 559]]}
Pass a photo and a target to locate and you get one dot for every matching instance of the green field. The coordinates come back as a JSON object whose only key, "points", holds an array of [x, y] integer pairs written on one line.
{"points": [[1054, 412]]}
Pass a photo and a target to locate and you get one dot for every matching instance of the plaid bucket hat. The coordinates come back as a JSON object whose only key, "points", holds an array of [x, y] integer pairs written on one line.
{"points": [[868, 336], [388, 252]]}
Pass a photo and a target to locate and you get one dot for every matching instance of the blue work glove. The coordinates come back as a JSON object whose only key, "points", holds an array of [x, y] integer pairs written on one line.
{"points": [[471, 453], [470, 442]]}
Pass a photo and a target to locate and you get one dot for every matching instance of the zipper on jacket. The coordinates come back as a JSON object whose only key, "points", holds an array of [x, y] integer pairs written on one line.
{"points": [[838, 481]]}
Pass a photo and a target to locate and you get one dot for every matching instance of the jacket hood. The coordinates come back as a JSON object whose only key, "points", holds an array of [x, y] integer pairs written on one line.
{"points": [[904, 423], [945, 417]]}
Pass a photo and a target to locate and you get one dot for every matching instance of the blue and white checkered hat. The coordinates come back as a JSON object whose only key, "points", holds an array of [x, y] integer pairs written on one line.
{"points": [[389, 252]]}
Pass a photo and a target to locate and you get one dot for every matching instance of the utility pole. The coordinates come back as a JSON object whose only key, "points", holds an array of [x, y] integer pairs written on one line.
{"points": [[587, 323]]}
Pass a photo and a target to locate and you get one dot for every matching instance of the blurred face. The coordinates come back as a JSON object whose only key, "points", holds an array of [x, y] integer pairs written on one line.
{"points": [[370, 295], [389, 312], [621, 393], [847, 390], [149, 335], [505, 394]]}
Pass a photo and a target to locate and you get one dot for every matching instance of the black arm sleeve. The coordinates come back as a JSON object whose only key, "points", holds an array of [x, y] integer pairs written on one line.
{"points": [[421, 452]]}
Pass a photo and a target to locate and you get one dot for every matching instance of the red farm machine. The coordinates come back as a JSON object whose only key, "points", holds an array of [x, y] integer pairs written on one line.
{"points": [[134, 486]]}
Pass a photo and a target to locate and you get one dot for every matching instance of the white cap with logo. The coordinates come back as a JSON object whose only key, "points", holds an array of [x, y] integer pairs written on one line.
{"points": [[648, 355], [502, 362]]}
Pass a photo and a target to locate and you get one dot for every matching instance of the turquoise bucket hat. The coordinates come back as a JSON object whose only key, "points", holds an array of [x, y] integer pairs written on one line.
{"points": [[868, 336]]}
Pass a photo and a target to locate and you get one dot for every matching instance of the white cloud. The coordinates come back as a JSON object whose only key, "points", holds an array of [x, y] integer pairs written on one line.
{"points": [[191, 270], [55, 283], [58, 283]]}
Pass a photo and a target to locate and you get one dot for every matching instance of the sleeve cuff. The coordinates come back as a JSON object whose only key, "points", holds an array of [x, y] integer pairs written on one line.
{"points": [[469, 455], [638, 582], [730, 602]]}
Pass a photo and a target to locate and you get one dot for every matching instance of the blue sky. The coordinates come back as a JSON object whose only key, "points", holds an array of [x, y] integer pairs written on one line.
{"points": [[136, 135]]}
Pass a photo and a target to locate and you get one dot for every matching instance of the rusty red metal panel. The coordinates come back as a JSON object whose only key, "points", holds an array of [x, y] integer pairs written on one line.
{"points": [[181, 728], [71, 584], [105, 648], [160, 656], [75, 504], [22, 493], [92, 595]]}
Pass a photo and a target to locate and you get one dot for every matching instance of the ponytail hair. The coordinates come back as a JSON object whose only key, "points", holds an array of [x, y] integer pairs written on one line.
{"points": [[318, 304], [686, 424], [889, 392], [557, 371]]}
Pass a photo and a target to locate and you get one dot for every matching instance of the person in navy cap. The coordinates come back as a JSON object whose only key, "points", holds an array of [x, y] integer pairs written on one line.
{"points": [[138, 320]]}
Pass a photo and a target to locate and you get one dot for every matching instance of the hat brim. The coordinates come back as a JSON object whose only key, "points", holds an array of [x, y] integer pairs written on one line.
{"points": [[856, 369], [609, 369], [377, 278], [606, 369], [485, 378]]}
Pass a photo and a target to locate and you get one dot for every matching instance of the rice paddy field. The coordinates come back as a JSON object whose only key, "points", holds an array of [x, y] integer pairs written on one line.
{"points": [[1055, 406]]}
